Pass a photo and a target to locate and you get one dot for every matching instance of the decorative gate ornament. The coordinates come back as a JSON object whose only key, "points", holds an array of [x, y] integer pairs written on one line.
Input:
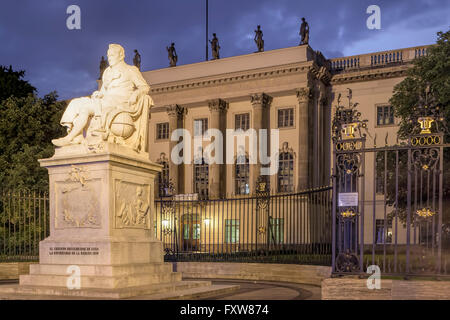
{"points": [[348, 141], [425, 213], [347, 123], [347, 262], [262, 191], [427, 112]]}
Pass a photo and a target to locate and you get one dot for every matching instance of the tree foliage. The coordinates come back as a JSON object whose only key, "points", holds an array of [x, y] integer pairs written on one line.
{"points": [[12, 84], [431, 70], [27, 126]]}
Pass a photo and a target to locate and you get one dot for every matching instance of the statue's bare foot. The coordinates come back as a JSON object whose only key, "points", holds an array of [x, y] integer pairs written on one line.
{"points": [[61, 142], [65, 141]]}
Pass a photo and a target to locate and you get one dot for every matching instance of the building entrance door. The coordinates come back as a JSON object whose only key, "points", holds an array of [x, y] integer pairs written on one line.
{"points": [[191, 232]]}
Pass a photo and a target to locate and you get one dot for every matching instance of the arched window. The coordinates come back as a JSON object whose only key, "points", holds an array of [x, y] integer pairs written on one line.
{"points": [[242, 175], [163, 180], [285, 172], [201, 178]]}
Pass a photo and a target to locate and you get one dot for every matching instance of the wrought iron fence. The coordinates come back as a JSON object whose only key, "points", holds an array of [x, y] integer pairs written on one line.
{"points": [[24, 221], [272, 228], [279, 228], [391, 204]]}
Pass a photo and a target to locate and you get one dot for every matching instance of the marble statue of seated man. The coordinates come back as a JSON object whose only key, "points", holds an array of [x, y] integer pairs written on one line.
{"points": [[123, 90]]}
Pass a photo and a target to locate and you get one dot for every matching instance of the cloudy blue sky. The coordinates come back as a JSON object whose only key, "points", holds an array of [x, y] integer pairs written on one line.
{"points": [[34, 36]]}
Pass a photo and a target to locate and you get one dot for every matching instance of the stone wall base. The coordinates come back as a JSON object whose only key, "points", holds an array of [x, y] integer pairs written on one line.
{"points": [[356, 289], [293, 273], [12, 270]]}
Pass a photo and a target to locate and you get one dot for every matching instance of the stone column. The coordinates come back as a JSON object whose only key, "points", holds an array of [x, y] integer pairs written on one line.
{"points": [[217, 172], [261, 120], [321, 156], [304, 96], [327, 142], [176, 121]]}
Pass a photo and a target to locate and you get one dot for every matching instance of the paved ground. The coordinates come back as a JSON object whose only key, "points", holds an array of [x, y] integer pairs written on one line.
{"points": [[249, 290], [264, 290]]}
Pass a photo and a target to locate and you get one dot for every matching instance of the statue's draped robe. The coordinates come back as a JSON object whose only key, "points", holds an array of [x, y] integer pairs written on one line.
{"points": [[119, 82]]}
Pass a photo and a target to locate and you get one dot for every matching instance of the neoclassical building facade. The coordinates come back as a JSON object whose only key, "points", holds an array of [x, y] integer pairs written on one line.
{"points": [[293, 89]]}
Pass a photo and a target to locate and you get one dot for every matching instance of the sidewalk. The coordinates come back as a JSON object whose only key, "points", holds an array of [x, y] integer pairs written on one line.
{"points": [[249, 290]]}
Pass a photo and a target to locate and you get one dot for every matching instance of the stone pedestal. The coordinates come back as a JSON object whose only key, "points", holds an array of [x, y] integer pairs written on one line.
{"points": [[101, 229]]}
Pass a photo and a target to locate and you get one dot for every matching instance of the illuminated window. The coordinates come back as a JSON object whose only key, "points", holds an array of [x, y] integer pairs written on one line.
{"points": [[383, 233], [385, 115], [286, 172], [201, 178], [242, 175], [276, 230], [242, 121], [163, 180], [200, 126], [231, 231]]}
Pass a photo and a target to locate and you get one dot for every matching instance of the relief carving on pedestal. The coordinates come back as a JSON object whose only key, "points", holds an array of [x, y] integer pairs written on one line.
{"points": [[77, 204], [132, 205]]}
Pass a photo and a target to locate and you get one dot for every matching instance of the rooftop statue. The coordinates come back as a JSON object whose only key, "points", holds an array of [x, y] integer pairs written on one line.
{"points": [[173, 57], [259, 39], [137, 59], [118, 113], [304, 32], [215, 47], [103, 66]]}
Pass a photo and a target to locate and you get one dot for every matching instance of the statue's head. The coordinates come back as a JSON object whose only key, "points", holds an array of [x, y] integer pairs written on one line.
{"points": [[303, 19], [116, 54], [173, 44], [259, 27]]}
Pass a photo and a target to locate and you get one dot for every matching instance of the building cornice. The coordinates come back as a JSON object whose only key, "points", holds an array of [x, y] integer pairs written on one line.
{"points": [[257, 74], [371, 74], [320, 73]]}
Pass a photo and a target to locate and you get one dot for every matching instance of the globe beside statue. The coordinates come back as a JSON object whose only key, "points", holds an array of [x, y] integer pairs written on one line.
{"points": [[122, 125]]}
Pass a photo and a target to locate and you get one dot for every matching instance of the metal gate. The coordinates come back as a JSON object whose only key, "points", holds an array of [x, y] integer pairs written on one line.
{"points": [[388, 202]]}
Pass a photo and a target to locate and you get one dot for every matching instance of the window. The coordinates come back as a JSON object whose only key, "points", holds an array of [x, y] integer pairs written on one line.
{"points": [[195, 231], [231, 231], [162, 131], [201, 178], [163, 180], [242, 175], [276, 230], [285, 118], [385, 115], [286, 172], [383, 235], [200, 126], [242, 121]]}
